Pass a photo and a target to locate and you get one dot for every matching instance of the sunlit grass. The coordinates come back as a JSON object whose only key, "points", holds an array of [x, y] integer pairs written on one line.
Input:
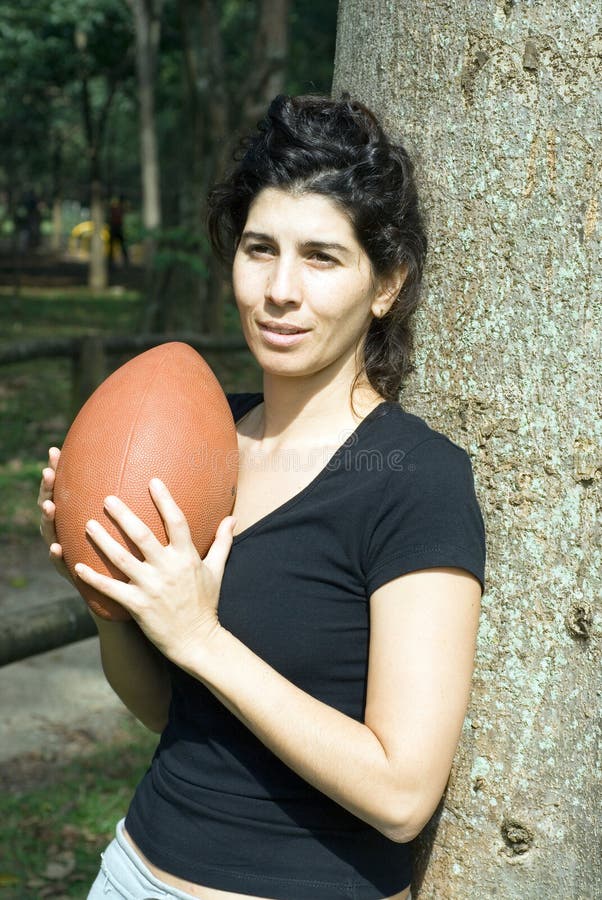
{"points": [[51, 836], [54, 312]]}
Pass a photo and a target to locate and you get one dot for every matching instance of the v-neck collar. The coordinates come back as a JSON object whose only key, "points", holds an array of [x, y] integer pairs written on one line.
{"points": [[332, 465]]}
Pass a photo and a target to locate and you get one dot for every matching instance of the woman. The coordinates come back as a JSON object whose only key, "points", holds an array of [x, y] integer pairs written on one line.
{"points": [[310, 676]]}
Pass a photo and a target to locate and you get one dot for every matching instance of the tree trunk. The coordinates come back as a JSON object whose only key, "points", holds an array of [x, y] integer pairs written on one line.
{"points": [[147, 25], [218, 113], [45, 627], [57, 224], [97, 272], [266, 76], [94, 130], [56, 241], [497, 102]]}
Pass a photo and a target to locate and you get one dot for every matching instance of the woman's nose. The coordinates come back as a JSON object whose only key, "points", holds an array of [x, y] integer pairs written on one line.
{"points": [[283, 284]]}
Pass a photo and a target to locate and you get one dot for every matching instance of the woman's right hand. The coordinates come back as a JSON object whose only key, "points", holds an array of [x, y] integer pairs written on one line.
{"points": [[47, 510], [132, 665]]}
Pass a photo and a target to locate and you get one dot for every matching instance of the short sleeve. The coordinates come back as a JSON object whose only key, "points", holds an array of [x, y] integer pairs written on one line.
{"points": [[242, 403], [429, 516]]}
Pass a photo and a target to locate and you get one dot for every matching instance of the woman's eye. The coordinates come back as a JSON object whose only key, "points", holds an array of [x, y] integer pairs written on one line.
{"points": [[260, 250], [322, 257]]}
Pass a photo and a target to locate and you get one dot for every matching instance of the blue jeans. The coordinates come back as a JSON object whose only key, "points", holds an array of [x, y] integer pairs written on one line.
{"points": [[123, 876]]}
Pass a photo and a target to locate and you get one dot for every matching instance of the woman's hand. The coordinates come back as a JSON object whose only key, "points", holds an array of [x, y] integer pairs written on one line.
{"points": [[172, 593], [47, 510]]}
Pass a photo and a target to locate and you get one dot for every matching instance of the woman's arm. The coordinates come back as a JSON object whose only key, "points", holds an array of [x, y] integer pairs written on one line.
{"points": [[390, 770], [136, 671], [133, 666]]}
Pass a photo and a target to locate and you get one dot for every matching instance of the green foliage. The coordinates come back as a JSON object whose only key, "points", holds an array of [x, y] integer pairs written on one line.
{"points": [[47, 49], [56, 53], [312, 33], [181, 247]]}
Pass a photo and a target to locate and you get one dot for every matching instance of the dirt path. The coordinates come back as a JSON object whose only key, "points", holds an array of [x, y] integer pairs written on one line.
{"points": [[54, 705]]}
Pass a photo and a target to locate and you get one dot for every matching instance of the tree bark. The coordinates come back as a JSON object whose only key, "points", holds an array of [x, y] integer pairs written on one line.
{"points": [[497, 102], [94, 130], [56, 241], [43, 628], [266, 75], [147, 26], [97, 272]]}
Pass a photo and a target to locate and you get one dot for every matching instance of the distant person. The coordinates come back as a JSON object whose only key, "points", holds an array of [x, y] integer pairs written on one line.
{"points": [[34, 216], [27, 221], [116, 234]]}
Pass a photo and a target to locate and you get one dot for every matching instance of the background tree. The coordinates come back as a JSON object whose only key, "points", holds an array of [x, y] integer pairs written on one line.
{"points": [[219, 65], [205, 72], [498, 101], [64, 61], [234, 59], [146, 16], [35, 118], [103, 61]]}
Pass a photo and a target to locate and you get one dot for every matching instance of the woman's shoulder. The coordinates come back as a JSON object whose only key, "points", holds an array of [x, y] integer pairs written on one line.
{"points": [[240, 404], [400, 429], [426, 512]]}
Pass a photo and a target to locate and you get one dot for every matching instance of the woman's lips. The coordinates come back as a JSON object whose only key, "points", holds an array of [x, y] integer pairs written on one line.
{"points": [[278, 339]]}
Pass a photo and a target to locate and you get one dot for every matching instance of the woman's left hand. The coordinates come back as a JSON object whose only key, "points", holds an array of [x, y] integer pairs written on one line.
{"points": [[172, 593]]}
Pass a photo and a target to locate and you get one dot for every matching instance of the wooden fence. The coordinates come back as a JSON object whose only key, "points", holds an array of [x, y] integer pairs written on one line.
{"points": [[89, 353]]}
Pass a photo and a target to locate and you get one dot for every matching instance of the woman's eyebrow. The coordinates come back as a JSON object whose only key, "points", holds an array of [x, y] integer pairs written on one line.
{"points": [[326, 246], [323, 246], [255, 236]]}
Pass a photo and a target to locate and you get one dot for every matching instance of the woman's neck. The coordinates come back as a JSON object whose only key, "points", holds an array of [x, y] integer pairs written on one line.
{"points": [[302, 412]]}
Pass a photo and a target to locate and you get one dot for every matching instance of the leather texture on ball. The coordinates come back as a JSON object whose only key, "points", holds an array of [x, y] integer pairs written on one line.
{"points": [[163, 414]]}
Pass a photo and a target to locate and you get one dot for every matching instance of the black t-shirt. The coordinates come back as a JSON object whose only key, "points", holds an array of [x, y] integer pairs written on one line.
{"points": [[217, 807]]}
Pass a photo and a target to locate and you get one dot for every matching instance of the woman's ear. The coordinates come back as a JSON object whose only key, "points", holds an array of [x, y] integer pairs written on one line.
{"points": [[388, 291]]}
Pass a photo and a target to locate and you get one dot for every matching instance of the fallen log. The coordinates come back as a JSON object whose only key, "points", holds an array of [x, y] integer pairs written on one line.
{"points": [[45, 627]]}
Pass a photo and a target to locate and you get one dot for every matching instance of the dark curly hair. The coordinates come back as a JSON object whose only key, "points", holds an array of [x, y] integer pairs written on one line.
{"points": [[338, 149]]}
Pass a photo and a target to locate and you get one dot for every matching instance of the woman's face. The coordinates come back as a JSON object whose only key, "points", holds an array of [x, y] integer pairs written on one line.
{"points": [[303, 285]]}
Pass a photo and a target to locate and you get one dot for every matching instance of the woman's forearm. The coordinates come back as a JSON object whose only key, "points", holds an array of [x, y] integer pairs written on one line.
{"points": [[136, 671], [338, 755]]}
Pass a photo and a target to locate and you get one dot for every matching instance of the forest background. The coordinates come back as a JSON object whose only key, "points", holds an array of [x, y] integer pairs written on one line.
{"points": [[143, 100]]}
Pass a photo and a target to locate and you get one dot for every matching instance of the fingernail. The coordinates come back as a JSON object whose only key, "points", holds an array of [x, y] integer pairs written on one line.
{"points": [[79, 567]]}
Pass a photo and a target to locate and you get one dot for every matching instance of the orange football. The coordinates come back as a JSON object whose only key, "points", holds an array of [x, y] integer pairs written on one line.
{"points": [[163, 414]]}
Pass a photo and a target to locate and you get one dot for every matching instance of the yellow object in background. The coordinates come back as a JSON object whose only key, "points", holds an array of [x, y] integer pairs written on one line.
{"points": [[81, 237]]}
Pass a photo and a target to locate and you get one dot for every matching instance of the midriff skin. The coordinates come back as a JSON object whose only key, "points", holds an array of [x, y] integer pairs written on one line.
{"points": [[206, 893]]}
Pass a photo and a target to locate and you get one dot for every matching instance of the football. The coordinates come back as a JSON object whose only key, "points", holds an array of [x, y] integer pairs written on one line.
{"points": [[163, 414]]}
